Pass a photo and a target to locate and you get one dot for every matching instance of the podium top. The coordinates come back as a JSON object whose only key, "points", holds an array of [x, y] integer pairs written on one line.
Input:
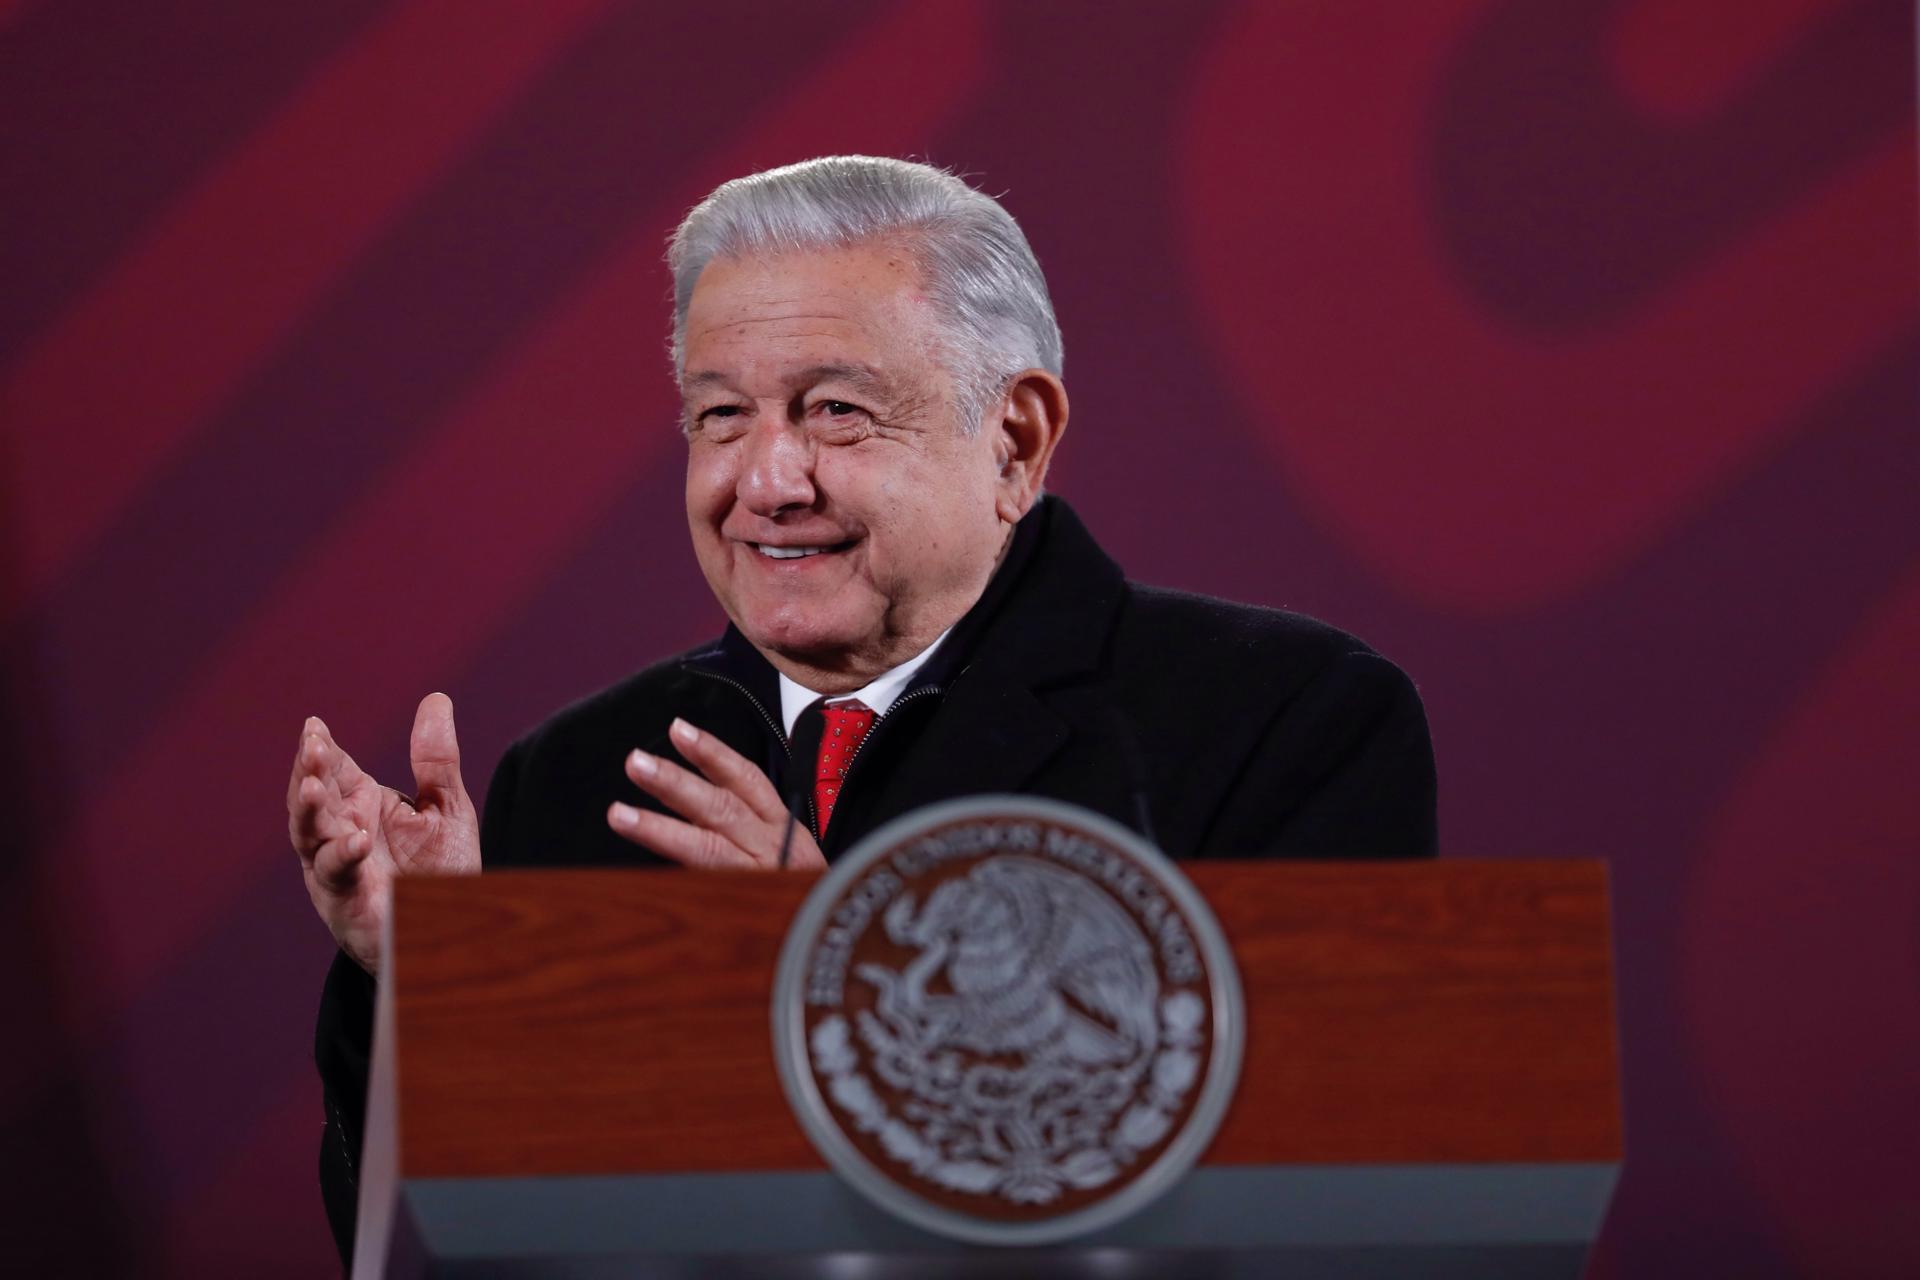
{"points": [[1457, 1011]]}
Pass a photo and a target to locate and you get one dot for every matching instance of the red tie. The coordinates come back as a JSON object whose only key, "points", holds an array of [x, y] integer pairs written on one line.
{"points": [[846, 727]]}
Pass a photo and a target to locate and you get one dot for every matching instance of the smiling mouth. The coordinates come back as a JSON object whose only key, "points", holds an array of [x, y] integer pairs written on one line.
{"points": [[796, 553]]}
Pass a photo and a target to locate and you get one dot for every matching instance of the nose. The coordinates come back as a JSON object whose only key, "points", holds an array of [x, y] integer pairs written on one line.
{"points": [[777, 473]]}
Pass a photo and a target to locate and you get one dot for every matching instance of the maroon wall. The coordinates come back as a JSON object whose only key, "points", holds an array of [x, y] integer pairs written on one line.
{"points": [[1565, 349]]}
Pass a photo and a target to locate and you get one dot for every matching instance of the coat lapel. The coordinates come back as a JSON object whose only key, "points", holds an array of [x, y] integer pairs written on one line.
{"points": [[993, 730], [982, 739]]}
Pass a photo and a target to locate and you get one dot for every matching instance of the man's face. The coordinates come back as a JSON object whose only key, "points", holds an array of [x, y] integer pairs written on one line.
{"points": [[841, 514]]}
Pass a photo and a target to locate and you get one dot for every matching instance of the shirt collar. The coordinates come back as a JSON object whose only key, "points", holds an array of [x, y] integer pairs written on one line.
{"points": [[877, 696]]}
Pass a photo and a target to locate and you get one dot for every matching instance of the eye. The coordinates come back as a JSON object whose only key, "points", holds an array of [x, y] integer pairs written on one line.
{"points": [[840, 421], [721, 421]]}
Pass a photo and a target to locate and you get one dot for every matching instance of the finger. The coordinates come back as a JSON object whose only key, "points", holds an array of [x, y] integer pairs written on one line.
{"points": [[345, 774], [683, 842], [694, 798], [317, 810], [729, 769], [336, 864], [318, 815], [309, 755], [803, 851], [304, 797], [435, 752]]}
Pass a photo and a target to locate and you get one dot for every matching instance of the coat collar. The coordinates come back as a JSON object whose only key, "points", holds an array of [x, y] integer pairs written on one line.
{"points": [[1043, 622], [1050, 621]]}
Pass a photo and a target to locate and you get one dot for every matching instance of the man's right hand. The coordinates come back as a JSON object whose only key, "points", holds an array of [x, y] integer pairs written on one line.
{"points": [[354, 835]]}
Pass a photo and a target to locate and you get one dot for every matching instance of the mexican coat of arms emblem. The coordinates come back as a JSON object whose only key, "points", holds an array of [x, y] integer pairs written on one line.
{"points": [[1007, 1020]]}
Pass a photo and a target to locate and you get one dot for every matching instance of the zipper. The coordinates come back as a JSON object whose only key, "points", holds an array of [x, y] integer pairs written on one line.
{"points": [[347, 1154], [780, 735], [854, 759]]}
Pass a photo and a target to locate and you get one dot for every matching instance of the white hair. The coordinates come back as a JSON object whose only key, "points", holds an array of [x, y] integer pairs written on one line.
{"points": [[975, 264]]}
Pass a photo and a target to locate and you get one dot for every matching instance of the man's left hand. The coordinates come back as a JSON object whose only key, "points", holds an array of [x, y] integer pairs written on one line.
{"points": [[732, 817]]}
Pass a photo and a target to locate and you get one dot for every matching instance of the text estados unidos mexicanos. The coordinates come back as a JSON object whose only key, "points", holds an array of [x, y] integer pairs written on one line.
{"points": [[826, 971]]}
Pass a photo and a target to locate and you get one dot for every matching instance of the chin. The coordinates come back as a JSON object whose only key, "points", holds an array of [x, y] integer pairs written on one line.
{"points": [[815, 641]]}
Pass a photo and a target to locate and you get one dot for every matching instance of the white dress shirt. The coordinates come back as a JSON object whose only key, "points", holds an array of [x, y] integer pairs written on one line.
{"points": [[877, 696]]}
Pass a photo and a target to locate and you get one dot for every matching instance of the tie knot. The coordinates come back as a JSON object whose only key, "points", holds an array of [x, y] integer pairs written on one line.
{"points": [[847, 715]]}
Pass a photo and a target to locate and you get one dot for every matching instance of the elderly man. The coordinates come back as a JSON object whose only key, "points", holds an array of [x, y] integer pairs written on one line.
{"points": [[870, 369]]}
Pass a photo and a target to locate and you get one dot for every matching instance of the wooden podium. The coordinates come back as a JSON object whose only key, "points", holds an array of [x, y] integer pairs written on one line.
{"points": [[574, 1076]]}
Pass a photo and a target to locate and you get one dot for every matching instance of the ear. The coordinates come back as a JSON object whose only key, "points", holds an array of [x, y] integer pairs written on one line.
{"points": [[1030, 420]]}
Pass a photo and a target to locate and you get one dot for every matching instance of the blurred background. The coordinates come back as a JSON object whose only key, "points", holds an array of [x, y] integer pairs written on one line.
{"points": [[1565, 349]]}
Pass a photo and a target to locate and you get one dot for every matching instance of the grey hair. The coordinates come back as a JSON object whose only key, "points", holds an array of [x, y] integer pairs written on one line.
{"points": [[975, 263]]}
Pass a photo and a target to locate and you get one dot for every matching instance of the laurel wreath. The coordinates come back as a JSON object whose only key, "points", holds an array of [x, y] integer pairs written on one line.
{"points": [[957, 1134]]}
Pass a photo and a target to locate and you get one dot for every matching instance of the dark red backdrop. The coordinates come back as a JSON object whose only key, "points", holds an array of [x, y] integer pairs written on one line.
{"points": [[1566, 350]]}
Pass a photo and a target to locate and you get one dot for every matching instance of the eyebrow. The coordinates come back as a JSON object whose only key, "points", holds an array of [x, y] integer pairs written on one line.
{"points": [[864, 377], [696, 381]]}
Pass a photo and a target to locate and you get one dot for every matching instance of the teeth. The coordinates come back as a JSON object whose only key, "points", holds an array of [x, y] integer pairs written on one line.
{"points": [[789, 553]]}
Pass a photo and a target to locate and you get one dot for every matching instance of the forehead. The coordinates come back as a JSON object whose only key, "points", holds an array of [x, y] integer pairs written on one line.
{"points": [[751, 315]]}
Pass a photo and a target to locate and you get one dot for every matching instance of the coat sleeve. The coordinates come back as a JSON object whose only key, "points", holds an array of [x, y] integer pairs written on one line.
{"points": [[1344, 770], [342, 1049], [343, 1044]]}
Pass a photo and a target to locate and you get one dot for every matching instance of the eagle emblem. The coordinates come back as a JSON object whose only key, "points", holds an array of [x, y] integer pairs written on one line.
{"points": [[1009, 1018]]}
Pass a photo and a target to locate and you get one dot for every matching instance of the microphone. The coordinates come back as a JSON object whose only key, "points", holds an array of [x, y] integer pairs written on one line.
{"points": [[807, 729], [786, 837]]}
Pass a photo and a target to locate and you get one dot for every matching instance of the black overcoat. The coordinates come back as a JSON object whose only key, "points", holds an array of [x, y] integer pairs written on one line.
{"points": [[1222, 730]]}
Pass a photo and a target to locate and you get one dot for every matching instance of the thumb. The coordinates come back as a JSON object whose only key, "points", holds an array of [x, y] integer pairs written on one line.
{"points": [[436, 753]]}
